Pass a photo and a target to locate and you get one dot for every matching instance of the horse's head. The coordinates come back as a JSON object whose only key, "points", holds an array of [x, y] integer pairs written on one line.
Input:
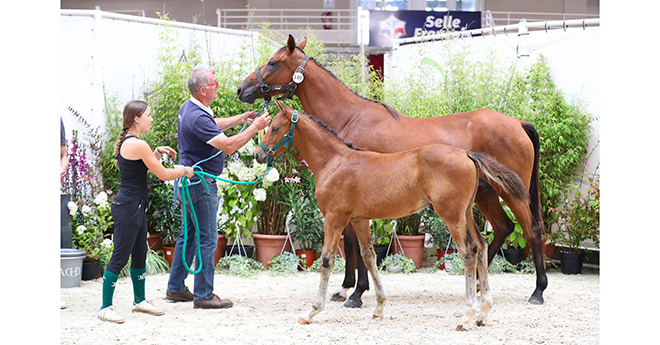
{"points": [[277, 75], [279, 136]]}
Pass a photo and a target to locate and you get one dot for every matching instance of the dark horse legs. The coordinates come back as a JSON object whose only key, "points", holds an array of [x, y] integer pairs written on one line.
{"points": [[352, 256]]}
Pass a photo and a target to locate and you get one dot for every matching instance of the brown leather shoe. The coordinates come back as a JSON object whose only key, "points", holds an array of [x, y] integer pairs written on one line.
{"points": [[185, 296], [214, 303]]}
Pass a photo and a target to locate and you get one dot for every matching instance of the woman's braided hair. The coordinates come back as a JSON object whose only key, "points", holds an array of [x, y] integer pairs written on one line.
{"points": [[131, 110]]}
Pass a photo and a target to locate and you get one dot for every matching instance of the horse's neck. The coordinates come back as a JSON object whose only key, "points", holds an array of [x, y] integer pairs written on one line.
{"points": [[328, 99], [318, 146]]}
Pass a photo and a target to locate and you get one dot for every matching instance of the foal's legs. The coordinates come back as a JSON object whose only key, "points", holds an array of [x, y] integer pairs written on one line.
{"points": [[369, 255], [333, 228], [352, 256]]}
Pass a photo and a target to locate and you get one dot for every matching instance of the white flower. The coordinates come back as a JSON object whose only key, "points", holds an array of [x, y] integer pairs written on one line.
{"points": [[107, 243], [234, 167], [222, 185], [259, 169], [259, 194], [73, 208], [273, 175], [248, 148], [81, 229], [86, 210], [101, 198]]}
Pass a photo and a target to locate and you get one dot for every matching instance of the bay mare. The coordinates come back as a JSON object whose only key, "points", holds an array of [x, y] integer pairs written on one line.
{"points": [[375, 126], [354, 186]]}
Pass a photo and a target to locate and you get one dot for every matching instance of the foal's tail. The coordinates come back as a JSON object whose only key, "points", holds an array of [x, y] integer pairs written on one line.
{"points": [[497, 174]]}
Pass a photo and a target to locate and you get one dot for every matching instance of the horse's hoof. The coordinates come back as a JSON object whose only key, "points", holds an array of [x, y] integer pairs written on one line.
{"points": [[337, 297], [351, 303], [373, 317], [303, 321], [460, 328], [481, 323], [538, 300]]}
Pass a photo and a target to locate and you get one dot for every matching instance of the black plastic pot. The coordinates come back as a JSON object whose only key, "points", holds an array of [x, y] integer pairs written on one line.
{"points": [[571, 263], [514, 256]]}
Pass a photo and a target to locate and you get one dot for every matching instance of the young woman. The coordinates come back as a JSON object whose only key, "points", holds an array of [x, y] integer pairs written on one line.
{"points": [[134, 159]]}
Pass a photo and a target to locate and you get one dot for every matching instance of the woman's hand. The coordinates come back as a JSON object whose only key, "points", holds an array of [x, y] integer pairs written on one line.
{"points": [[166, 150]]}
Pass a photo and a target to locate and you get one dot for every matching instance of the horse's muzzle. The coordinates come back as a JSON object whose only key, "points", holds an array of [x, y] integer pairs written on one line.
{"points": [[260, 155]]}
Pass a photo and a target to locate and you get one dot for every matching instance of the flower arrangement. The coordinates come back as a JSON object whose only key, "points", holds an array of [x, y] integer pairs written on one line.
{"points": [[579, 219], [239, 210], [90, 224]]}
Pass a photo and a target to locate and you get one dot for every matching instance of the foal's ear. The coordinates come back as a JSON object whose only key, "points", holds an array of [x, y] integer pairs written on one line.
{"points": [[279, 105]]}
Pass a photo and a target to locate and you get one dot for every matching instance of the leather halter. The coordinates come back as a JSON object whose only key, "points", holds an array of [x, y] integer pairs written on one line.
{"points": [[290, 87], [287, 141]]}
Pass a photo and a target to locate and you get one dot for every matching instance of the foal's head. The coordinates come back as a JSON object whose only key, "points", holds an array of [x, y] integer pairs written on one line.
{"points": [[278, 137]]}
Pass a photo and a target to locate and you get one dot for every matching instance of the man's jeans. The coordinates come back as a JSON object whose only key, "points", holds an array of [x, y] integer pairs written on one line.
{"points": [[206, 209]]}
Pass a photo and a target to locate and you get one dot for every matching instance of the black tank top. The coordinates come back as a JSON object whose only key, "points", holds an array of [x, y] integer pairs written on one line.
{"points": [[132, 174]]}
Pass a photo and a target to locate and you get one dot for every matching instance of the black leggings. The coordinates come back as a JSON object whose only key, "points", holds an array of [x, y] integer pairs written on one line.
{"points": [[130, 235]]}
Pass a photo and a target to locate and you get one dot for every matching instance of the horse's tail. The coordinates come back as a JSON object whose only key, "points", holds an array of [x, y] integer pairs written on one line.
{"points": [[497, 174], [534, 194]]}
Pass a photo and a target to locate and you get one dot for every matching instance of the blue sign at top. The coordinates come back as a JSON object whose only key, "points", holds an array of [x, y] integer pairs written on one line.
{"points": [[386, 26]]}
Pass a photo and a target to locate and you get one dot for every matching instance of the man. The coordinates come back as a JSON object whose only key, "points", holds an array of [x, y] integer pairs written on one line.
{"points": [[200, 137]]}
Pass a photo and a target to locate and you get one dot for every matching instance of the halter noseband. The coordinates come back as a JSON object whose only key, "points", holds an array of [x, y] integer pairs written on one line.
{"points": [[290, 87], [287, 141]]}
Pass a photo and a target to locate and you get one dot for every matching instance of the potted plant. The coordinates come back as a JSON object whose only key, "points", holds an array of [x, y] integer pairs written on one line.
{"points": [[513, 246], [410, 239], [436, 227], [578, 220], [304, 219], [90, 223], [398, 263], [239, 210], [284, 264], [381, 231]]}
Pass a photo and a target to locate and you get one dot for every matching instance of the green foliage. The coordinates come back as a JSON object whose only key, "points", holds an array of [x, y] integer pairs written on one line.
{"points": [[381, 230], [517, 237], [283, 265], [454, 265], [458, 84], [340, 265], [155, 264], [579, 218], [297, 193], [434, 225], [397, 262], [409, 225], [238, 265]]}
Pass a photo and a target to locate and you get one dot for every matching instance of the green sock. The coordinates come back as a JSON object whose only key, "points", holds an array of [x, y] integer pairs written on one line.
{"points": [[138, 276], [109, 282]]}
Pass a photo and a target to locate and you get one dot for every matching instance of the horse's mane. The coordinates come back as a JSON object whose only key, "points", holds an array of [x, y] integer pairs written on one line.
{"points": [[395, 113], [323, 125]]}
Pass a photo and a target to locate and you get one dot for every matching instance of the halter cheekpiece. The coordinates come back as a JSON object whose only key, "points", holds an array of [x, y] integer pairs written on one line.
{"points": [[290, 88]]}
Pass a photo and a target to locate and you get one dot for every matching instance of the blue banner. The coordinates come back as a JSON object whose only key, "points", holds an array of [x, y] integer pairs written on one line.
{"points": [[386, 26]]}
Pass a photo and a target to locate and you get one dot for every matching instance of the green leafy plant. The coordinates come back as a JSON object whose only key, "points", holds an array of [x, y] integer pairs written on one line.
{"points": [[155, 264], [304, 217], [517, 237], [409, 225], [381, 230], [283, 265], [397, 262], [434, 225], [340, 265], [238, 265], [89, 222], [579, 218]]}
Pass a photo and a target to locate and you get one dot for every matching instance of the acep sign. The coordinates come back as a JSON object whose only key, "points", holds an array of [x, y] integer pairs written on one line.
{"points": [[386, 26]]}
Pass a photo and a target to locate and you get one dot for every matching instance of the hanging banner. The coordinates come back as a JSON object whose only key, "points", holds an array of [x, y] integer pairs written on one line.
{"points": [[386, 26]]}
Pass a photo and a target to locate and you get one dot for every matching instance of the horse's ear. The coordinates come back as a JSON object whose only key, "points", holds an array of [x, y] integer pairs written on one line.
{"points": [[302, 43], [279, 105], [291, 44]]}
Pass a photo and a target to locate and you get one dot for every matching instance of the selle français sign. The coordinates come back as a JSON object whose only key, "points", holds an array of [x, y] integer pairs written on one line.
{"points": [[386, 26]]}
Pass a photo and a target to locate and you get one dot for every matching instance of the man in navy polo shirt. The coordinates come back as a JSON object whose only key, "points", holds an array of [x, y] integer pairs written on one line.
{"points": [[200, 137]]}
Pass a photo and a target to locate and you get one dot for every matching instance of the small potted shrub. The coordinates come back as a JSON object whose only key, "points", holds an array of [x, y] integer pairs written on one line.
{"points": [[578, 220], [514, 245], [410, 239], [436, 227], [381, 230]]}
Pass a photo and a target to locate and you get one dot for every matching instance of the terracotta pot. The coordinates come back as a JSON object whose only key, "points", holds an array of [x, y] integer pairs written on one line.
{"points": [[308, 255], [220, 250], [413, 248], [441, 253], [169, 254], [268, 246], [155, 242]]}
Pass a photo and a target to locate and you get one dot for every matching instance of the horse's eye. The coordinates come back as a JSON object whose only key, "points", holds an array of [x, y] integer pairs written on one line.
{"points": [[275, 129], [272, 63]]}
